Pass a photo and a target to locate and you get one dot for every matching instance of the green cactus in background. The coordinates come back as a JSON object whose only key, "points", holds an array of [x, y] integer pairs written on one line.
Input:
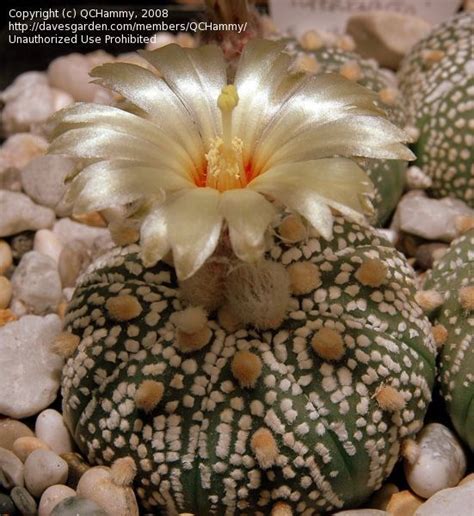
{"points": [[286, 385], [452, 276], [436, 80]]}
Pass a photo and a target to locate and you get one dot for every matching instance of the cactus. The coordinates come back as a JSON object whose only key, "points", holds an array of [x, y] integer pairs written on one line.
{"points": [[388, 176], [436, 80], [452, 277], [301, 409]]}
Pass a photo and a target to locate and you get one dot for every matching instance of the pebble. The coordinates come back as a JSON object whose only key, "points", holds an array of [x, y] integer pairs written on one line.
{"points": [[23, 83], [374, 35], [47, 243], [22, 244], [441, 462], [74, 259], [96, 484], [404, 503], [10, 177], [36, 282], [24, 446], [455, 501], [50, 428], [427, 254], [52, 496], [23, 501], [6, 316], [380, 499], [417, 179], [20, 213], [67, 231], [6, 257], [12, 468], [77, 506], [70, 73], [77, 467], [18, 308], [43, 179], [19, 149], [44, 468], [28, 110], [6, 505], [11, 430], [5, 292], [433, 219], [30, 371]]}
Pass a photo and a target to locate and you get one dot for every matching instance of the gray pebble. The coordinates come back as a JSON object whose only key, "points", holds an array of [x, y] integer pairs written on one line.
{"points": [[12, 469], [6, 505], [77, 506], [24, 502], [44, 468]]}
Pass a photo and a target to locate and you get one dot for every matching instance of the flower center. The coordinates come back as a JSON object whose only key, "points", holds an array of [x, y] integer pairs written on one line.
{"points": [[225, 169]]}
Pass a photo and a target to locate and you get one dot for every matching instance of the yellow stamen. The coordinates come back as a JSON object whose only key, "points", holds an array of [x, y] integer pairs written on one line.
{"points": [[224, 158]]}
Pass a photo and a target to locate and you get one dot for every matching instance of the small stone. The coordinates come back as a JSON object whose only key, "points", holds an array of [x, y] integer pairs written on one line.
{"points": [[11, 430], [51, 429], [427, 254], [24, 446], [36, 283], [77, 467], [6, 257], [43, 180], [7, 506], [18, 308], [23, 500], [441, 462], [12, 469], [22, 244], [5, 292], [7, 316], [417, 179], [73, 260], [23, 83], [10, 177], [96, 484], [67, 231], [52, 496], [404, 503], [380, 499], [47, 243], [433, 219], [19, 213], [30, 370], [77, 506], [455, 501], [385, 36], [19, 149], [70, 73], [44, 468]]}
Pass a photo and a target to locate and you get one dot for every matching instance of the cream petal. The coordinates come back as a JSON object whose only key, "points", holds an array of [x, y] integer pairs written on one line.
{"points": [[151, 94], [248, 215], [311, 187], [197, 75], [154, 237], [104, 143], [111, 183], [194, 224], [262, 84], [326, 115], [82, 115]]}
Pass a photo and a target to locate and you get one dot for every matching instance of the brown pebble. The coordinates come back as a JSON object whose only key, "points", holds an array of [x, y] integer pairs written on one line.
{"points": [[11, 430], [427, 254], [93, 218], [404, 503], [6, 316], [381, 498], [6, 257], [23, 446], [77, 467], [468, 478], [5, 292]]}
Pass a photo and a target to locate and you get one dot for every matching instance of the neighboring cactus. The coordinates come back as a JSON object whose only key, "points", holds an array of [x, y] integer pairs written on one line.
{"points": [[436, 80], [221, 418], [388, 176], [452, 276]]}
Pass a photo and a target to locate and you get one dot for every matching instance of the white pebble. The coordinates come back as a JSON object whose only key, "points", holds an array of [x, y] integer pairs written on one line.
{"points": [[441, 462], [46, 242], [44, 468], [52, 496], [455, 501], [50, 428]]}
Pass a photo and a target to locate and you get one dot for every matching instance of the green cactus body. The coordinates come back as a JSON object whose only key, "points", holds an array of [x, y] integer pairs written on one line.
{"points": [[452, 275], [436, 79], [336, 434], [388, 176]]}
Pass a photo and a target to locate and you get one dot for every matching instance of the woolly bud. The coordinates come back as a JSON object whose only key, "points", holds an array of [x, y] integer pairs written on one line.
{"points": [[466, 297], [123, 307], [328, 344], [190, 320], [148, 395], [429, 300], [292, 229], [304, 277], [410, 451], [246, 368], [265, 447], [123, 471], [281, 509], [440, 335], [389, 398], [372, 272], [65, 344]]}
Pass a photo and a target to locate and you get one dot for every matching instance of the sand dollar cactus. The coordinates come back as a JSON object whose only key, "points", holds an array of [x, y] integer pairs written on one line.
{"points": [[452, 277], [436, 80], [305, 414], [388, 176]]}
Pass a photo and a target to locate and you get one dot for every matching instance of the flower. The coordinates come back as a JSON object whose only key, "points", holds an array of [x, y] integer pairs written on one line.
{"points": [[199, 155]]}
